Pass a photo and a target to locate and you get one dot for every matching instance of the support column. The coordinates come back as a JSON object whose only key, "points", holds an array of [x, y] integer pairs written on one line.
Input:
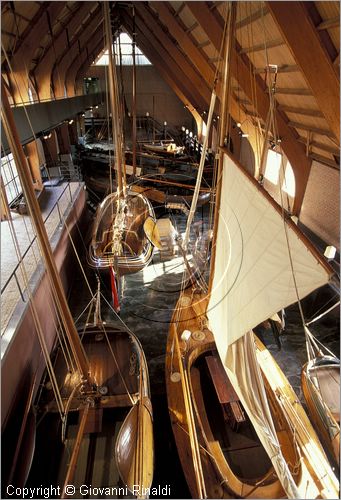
{"points": [[5, 211], [35, 162], [63, 138]]}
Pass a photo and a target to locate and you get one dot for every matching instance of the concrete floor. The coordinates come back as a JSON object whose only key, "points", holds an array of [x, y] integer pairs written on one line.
{"points": [[147, 306]]}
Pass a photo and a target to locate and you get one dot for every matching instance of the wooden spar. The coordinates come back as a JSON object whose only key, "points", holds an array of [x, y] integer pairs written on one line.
{"points": [[134, 94], [51, 269], [224, 122], [114, 103], [173, 183], [199, 475], [75, 452], [200, 170]]}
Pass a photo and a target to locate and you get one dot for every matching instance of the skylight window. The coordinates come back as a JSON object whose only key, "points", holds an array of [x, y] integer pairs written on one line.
{"points": [[124, 45], [273, 165]]}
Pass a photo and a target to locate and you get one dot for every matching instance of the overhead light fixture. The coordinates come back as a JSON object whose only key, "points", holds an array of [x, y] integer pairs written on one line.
{"points": [[245, 135], [47, 135], [330, 252], [239, 124], [70, 122]]}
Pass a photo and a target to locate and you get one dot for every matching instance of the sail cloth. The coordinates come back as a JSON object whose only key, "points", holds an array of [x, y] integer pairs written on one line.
{"points": [[244, 374], [252, 281], [253, 277]]}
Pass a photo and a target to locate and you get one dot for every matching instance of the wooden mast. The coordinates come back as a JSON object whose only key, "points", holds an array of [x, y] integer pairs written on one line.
{"points": [[114, 105], [51, 269], [134, 93], [224, 123]]}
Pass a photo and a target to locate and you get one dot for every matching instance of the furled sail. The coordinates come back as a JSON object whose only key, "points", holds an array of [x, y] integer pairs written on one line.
{"points": [[253, 279]]}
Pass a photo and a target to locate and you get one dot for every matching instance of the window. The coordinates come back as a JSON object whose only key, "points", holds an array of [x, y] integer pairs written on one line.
{"points": [[125, 42], [273, 164], [10, 177], [289, 185]]}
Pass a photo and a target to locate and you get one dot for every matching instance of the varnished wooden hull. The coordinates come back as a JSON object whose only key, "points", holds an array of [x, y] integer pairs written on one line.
{"points": [[137, 250], [221, 476], [325, 419], [119, 369]]}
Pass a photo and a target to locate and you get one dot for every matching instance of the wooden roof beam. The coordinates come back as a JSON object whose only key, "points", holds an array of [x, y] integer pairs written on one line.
{"points": [[285, 68], [303, 40], [171, 72], [60, 70], [309, 128], [241, 68], [262, 46], [325, 161], [19, 78], [79, 60], [168, 19], [300, 111], [43, 71], [258, 14], [205, 69], [329, 23], [199, 85], [319, 145]]}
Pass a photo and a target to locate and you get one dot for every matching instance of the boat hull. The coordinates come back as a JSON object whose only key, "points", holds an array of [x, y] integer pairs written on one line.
{"points": [[118, 366], [325, 417], [221, 477], [136, 250]]}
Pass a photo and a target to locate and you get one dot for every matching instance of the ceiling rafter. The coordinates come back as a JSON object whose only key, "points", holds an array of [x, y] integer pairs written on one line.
{"points": [[154, 52], [184, 41], [303, 40], [32, 25], [199, 84], [319, 145], [79, 59], [241, 68], [333, 22], [43, 70], [310, 128], [258, 14], [262, 46], [324, 160], [285, 68], [61, 67], [300, 111]]}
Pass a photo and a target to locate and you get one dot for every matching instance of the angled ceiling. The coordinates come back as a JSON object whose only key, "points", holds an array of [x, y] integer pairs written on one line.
{"points": [[55, 42]]}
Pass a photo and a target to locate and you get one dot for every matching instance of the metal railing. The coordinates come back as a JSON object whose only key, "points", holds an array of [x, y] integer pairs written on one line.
{"points": [[15, 286]]}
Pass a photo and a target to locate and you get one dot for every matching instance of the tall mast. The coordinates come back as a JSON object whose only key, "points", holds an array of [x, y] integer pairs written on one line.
{"points": [[224, 123], [50, 265], [114, 105], [134, 93]]}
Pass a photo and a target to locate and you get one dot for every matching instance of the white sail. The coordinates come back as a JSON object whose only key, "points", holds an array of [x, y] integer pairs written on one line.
{"points": [[253, 271], [253, 279]]}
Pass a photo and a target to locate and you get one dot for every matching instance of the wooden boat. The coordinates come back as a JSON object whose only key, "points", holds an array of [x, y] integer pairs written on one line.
{"points": [[117, 418], [233, 461], [121, 236], [102, 370], [125, 231], [253, 275], [321, 388], [163, 197], [164, 148]]}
